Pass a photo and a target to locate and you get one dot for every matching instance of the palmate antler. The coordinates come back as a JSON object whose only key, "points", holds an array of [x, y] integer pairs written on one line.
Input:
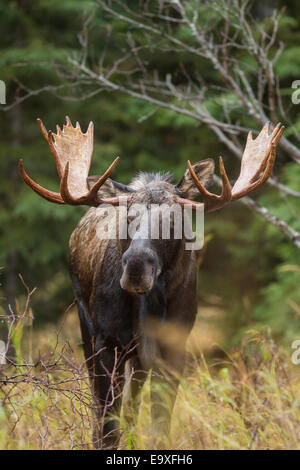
{"points": [[258, 157], [72, 151]]}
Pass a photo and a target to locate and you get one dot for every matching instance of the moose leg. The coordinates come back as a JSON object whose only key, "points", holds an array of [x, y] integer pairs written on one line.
{"points": [[135, 378], [107, 384], [87, 339], [86, 327], [165, 379], [169, 365]]}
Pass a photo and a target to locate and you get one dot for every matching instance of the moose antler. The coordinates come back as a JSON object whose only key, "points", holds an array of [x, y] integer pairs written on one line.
{"points": [[72, 151], [258, 157]]}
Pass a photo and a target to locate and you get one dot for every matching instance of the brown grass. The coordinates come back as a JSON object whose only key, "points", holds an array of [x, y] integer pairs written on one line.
{"points": [[248, 399]]}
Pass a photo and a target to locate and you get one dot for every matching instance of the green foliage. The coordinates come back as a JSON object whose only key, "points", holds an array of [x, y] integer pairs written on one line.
{"points": [[288, 66]]}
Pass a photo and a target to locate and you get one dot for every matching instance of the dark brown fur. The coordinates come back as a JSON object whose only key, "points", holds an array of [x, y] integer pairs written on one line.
{"points": [[121, 325]]}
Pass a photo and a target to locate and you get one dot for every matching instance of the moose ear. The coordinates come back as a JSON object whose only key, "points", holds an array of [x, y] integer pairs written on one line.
{"points": [[109, 188], [204, 171]]}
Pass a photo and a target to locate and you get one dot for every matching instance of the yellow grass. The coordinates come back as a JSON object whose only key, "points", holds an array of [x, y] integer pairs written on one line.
{"points": [[249, 399]]}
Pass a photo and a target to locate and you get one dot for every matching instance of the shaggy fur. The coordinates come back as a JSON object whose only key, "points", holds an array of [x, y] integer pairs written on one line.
{"points": [[117, 324]]}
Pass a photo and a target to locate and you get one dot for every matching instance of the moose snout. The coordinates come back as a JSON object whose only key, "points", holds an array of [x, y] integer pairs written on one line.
{"points": [[140, 269]]}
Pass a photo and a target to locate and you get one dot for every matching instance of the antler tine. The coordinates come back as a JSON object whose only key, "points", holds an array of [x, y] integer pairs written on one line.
{"points": [[203, 191], [213, 201], [48, 137], [90, 199], [45, 193], [275, 137], [226, 187], [43, 128], [95, 188], [277, 133], [64, 189]]}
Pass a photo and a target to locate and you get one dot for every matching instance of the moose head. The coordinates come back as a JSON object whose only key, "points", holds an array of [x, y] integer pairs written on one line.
{"points": [[144, 259]]}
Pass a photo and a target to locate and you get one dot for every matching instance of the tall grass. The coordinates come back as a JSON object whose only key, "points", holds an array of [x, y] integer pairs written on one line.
{"points": [[246, 399]]}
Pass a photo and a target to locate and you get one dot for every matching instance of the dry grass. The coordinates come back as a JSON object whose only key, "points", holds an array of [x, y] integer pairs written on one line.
{"points": [[249, 399]]}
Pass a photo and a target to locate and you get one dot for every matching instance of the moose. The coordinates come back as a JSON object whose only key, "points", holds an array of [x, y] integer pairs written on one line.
{"points": [[128, 290]]}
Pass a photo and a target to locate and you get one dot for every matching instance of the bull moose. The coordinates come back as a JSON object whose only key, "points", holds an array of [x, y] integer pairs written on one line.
{"points": [[122, 284]]}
